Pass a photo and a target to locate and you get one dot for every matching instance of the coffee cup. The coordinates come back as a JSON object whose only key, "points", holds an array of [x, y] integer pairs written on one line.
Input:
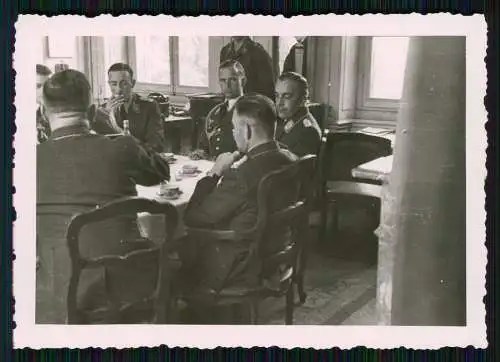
{"points": [[188, 169]]}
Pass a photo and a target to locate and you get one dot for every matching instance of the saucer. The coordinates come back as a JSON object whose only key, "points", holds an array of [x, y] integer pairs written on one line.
{"points": [[193, 173], [174, 196]]}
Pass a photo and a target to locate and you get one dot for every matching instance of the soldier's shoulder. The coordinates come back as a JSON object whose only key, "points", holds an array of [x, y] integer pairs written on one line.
{"points": [[144, 100], [215, 111], [288, 154], [257, 45], [310, 122]]}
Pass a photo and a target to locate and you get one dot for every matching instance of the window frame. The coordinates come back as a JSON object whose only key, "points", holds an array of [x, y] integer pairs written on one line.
{"points": [[363, 100], [174, 88], [78, 59]]}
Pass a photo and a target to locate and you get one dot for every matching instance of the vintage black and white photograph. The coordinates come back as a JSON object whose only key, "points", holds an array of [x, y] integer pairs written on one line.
{"points": [[248, 178]]}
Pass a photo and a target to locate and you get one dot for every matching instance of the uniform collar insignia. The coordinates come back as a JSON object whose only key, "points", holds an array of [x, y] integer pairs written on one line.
{"points": [[307, 122], [289, 125]]}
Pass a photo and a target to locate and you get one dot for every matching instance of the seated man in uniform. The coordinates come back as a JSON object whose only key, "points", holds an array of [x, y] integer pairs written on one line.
{"points": [[144, 116], [297, 129], [77, 170], [217, 135], [226, 199], [42, 125]]}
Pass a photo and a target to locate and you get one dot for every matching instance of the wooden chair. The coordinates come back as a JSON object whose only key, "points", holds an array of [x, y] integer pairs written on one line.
{"points": [[287, 221], [339, 154], [156, 305], [308, 168]]}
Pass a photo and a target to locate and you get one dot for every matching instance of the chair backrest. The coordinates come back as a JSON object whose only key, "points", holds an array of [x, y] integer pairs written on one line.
{"points": [[320, 112], [156, 255], [283, 198], [343, 151]]}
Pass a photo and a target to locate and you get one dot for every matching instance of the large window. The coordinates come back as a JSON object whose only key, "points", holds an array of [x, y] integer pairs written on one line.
{"points": [[388, 62], [193, 61], [171, 64], [153, 61], [113, 53], [381, 75]]}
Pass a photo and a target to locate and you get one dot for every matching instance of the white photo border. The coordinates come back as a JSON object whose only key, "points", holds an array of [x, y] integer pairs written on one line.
{"points": [[27, 334]]}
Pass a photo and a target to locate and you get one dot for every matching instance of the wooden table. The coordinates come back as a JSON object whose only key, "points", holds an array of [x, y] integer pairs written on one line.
{"points": [[377, 170], [178, 133], [152, 225]]}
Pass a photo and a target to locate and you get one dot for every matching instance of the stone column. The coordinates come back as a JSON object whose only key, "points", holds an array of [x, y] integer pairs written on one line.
{"points": [[422, 266]]}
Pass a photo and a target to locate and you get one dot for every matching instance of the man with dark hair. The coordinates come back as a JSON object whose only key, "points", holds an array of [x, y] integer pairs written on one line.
{"points": [[297, 129], [144, 116], [226, 199], [76, 171], [42, 125], [256, 61], [217, 134]]}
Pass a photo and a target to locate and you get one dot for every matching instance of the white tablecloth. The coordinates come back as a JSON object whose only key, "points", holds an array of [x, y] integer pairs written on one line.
{"points": [[378, 169], [153, 225]]}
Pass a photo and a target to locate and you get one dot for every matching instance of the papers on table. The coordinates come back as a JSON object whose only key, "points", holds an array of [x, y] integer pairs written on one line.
{"points": [[377, 169], [376, 131]]}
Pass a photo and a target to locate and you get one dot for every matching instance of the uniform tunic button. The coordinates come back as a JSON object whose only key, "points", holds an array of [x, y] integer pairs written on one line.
{"points": [[218, 139], [218, 129], [217, 148]]}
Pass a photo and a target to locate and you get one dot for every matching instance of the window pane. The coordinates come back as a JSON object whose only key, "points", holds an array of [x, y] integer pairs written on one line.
{"points": [[112, 54], [61, 50], [193, 61], [285, 43], [61, 46], [112, 50], [153, 59], [388, 65]]}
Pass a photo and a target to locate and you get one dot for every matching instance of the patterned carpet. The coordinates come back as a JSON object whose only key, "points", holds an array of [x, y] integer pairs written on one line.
{"points": [[335, 290]]}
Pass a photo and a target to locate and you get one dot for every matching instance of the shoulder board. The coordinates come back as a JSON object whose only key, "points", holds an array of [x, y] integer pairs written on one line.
{"points": [[216, 109], [257, 44], [307, 122], [144, 99]]}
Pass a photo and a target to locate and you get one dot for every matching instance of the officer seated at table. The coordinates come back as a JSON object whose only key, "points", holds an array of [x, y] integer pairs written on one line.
{"points": [[217, 134], [145, 120], [297, 128], [77, 170], [226, 198]]}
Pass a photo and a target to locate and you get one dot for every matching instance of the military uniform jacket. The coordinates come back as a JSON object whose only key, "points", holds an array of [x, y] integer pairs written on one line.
{"points": [[76, 171], [145, 122], [258, 66], [289, 64], [217, 134], [230, 203], [301, 135]]}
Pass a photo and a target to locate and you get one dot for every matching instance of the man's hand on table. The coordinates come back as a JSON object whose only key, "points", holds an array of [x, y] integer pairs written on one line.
{"points": [[223, 162]]}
